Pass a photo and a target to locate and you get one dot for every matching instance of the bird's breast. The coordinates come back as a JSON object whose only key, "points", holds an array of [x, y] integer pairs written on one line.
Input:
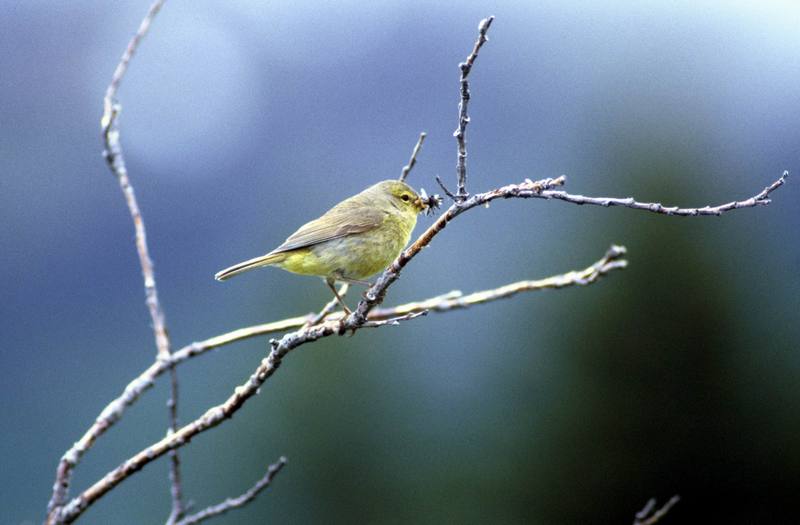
{"points": [[361, 255]]}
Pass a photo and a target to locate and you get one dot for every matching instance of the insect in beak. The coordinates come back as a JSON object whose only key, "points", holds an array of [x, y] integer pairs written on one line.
{"points": [[429, 203]]}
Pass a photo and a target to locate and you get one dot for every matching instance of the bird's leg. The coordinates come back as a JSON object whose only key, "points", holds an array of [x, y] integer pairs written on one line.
{"points": [[366, 284], [332, 285]]}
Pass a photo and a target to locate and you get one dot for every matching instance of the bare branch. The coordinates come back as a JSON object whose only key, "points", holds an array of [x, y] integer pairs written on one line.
{"points": [[463, 118], [334, 324], [542, 189], [239, 501], [453, 300], [646, 516], [212, 417], [116, 162], [122, 67], [413, 160], [176, 486], [759, 199], [114, 411]]}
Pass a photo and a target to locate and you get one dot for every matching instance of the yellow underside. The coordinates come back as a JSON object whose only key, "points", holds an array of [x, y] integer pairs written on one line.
{"points": [[353, 257]]}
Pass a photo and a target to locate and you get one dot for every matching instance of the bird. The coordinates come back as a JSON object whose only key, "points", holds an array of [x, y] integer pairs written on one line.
{"points": [[352, 241]]}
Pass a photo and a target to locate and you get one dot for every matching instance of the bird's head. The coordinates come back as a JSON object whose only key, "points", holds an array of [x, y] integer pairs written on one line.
{"points": [[403, 197]]}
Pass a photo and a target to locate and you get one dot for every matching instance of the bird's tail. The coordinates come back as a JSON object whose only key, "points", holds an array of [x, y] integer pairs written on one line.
{"points": [[249, 264]]}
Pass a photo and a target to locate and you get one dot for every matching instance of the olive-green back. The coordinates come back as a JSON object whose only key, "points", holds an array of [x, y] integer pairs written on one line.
{"points": [[356, 214]]}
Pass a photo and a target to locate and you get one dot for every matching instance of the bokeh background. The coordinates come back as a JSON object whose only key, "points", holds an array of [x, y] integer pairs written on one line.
{"points": [[244, 119]]}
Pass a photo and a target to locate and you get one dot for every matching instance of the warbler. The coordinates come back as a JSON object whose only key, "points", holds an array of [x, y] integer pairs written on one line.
{"points": [[355, 239]]}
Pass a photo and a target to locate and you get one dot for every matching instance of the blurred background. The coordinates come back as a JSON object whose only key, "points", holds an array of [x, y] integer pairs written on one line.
{"points": [[242, 120]]}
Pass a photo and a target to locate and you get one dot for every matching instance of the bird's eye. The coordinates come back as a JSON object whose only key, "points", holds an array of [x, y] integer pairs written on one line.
{"points": [[405, 197]]}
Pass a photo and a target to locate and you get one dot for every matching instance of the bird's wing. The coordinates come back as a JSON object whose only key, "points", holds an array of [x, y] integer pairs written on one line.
{"points": [[344, 219]]}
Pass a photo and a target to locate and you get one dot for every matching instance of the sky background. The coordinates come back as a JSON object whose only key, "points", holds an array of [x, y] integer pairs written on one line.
{"points": [[243, 120]]}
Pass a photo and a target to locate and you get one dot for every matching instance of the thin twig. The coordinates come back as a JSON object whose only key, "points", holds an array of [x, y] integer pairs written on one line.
{"points": [[455, 300], [122, 66], [759, 199], [239, 501], [444, 188], [463, 117], [413, 160], [646, 516], [394, 321], [116, 162], [176, 486]]}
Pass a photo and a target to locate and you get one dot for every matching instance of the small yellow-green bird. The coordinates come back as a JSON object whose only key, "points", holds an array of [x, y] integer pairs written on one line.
{"points": [[357, 238]]}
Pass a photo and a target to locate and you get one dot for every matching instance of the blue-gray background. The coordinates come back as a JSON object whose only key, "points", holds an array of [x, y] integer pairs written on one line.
{"points": [[244, 119]]}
